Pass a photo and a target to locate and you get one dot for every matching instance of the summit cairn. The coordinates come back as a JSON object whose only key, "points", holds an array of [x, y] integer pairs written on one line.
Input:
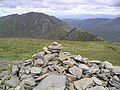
{"points": [[53, 69]]}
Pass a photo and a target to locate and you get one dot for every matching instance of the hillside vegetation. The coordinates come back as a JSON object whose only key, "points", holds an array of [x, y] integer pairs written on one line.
{"points": [[24, 48]]}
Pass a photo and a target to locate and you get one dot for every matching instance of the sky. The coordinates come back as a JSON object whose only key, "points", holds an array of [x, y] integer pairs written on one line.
{"points": [[60, 7]]}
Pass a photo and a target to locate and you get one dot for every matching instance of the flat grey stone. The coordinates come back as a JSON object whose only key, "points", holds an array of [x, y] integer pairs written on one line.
{"points": [[105, 71], [116, 77], [76, 71], [55, 47], [38, 62], [95, 61], [18, 88], [116, 69], [27, 62], [44, 70], [24, 76], [13, 82], [62, 56], [45, 49], [83, 67], [94, 69], [114, 82], [53, 62], [113, 88], [83, 84], [59, 68], [52, 82], [97, 81], [55, 43], [48, 57], [11, 88], [35, 70], [14, 69], [107, 65], [78, 58], [30, 81], [39, 55], [1, 74], [69, 62], [97, 88]]}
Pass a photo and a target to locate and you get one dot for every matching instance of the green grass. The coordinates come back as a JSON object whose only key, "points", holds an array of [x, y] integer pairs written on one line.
{"points": [[21, 49]]}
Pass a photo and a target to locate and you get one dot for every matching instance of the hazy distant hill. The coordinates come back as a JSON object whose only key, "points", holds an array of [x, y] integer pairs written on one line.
{"points": [[87, 16], [39, 25], [109, 29], [84, 24]]}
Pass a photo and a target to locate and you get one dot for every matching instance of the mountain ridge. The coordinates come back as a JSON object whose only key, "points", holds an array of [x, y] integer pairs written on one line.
{"points": [[37, 25], [109, 29]]}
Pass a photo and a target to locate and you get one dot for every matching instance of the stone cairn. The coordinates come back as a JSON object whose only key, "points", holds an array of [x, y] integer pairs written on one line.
{"points": [[53, 69]]}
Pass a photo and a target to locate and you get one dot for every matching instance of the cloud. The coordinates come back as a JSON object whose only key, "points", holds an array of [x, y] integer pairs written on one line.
{"points": [[60, 7], [116, 3]]}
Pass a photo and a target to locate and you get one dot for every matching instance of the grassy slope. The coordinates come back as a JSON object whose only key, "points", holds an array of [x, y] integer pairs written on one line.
{"points": [[21, 49]]}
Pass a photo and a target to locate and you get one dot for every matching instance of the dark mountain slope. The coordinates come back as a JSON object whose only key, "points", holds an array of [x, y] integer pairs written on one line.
{"points": [[35, 25], [76, 34], [28, 25]]}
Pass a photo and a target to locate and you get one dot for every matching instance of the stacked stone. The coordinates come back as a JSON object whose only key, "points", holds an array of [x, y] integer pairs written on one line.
{"points": [[53, 69]]}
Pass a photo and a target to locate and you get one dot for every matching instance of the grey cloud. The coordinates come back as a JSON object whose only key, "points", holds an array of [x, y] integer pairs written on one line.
{"points": [[55, 6], [116, 3], [9, 3], [48, 3], [51, 4], [29, 3]]}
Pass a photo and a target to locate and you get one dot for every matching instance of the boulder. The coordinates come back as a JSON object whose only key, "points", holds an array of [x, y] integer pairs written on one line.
{"points": [[52, 82]]}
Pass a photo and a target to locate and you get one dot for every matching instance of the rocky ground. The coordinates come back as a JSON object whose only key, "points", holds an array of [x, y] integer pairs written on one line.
{"points": [[8, 63], [53, 69]]}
